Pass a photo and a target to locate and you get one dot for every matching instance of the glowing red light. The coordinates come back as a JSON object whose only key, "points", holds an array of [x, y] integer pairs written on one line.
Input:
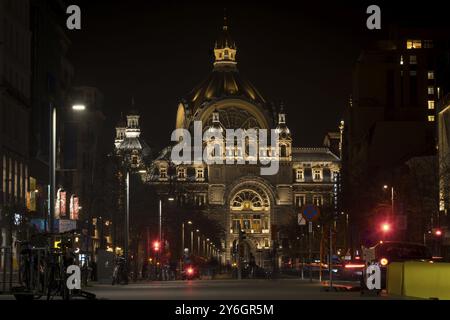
{"points": [[386, 227], [354, 266], [190, 271], [156, 245], [438, 233]]}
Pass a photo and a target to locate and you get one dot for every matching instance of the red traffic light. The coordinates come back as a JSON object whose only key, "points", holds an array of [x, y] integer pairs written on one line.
{"points": [[385, 227], [156, 245], [190, 271], [438, 232]]}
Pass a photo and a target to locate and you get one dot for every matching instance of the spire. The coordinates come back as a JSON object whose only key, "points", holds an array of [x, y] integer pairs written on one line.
{"points": [[225, 22], [133, 110], [225, 47], [281, 115]]}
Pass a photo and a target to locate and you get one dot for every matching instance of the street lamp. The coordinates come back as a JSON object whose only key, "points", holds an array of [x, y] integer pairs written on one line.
{"points": [[127, 220], [52, 160], [78, 107], [182, 236], [198, 242], [182, 243], [386, 187], [170, 198]]}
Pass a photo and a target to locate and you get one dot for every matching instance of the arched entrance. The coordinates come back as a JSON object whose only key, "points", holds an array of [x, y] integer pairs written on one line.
{"points": [[250, 210]]}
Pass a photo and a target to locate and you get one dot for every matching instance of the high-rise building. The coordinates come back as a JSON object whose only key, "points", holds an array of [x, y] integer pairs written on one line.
{"points": [[15, 101], [392, 117], [52, 75]]}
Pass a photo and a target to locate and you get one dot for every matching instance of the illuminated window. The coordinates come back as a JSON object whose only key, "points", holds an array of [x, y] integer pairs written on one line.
{"points": [[299, 175], [430, 75], [317, 175], [430, 90], [236, 225], [431, 104], [163, 173], [413, 44], [266, 223], [200, 200], [428, 44], [256, 224], [200, 173], [181, 173], [318, 200], [412, 59], [430, 118], [300, 200]]}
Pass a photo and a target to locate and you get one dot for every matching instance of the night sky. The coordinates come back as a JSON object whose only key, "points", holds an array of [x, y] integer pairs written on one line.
{"points": [[157, 51]]}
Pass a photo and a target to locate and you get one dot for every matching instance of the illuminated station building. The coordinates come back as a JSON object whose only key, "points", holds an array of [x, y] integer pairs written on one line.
{"points": [[237, 195]]}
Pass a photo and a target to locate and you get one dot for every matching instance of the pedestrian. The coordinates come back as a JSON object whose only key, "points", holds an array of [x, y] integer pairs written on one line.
{"points": [[144, 269]]}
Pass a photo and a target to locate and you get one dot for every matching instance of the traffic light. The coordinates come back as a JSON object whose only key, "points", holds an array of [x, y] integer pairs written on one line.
{"points": [[385, 227], [156, 245], [438, 232]]}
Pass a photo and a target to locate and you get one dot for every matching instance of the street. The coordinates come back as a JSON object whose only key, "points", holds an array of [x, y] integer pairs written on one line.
{"points": [[142, 152], [282, 289]]}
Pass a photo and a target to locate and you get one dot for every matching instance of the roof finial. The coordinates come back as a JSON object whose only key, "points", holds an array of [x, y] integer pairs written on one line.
{"points": [[225, 22]]}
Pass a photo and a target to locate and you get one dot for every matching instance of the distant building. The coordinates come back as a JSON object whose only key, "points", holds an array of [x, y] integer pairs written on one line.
{"points": [[129, 144], [392, 117], [132, 154], [237, 196]]}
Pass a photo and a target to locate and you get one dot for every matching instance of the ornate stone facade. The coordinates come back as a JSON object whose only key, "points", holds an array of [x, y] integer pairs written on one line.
{"points": [[236, 195]]}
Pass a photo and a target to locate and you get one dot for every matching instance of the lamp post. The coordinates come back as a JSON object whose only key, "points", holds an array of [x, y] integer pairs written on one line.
{"points": [[52, 166], [52, 160], [127, 224], [192, 241], [182, 241], [198, 242], [127, 219], [170, 198], [386, 187]]}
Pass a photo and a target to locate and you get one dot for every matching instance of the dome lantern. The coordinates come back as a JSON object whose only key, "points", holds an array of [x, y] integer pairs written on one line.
{"points": [[225, 48]]}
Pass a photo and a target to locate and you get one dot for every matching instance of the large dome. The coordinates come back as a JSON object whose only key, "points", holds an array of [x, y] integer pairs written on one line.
{"points": [[224, 84], [223, 81]]}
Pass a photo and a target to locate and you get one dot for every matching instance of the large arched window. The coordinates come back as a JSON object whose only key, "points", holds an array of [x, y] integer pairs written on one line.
{"points": [[249, 200]]}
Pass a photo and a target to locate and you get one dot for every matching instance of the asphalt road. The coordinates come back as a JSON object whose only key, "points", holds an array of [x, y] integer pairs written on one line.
{"points": [[282, 289]]}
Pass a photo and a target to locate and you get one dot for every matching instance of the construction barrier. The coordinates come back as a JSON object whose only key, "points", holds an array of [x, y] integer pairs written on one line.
{"points": [[419, 280]]}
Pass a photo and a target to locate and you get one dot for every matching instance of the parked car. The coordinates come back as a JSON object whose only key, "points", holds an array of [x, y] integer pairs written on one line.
{"points": [[386, 252]]}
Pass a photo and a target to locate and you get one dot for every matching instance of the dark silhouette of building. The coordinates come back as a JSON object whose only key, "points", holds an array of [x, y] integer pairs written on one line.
{"points": [[390, 120]]}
